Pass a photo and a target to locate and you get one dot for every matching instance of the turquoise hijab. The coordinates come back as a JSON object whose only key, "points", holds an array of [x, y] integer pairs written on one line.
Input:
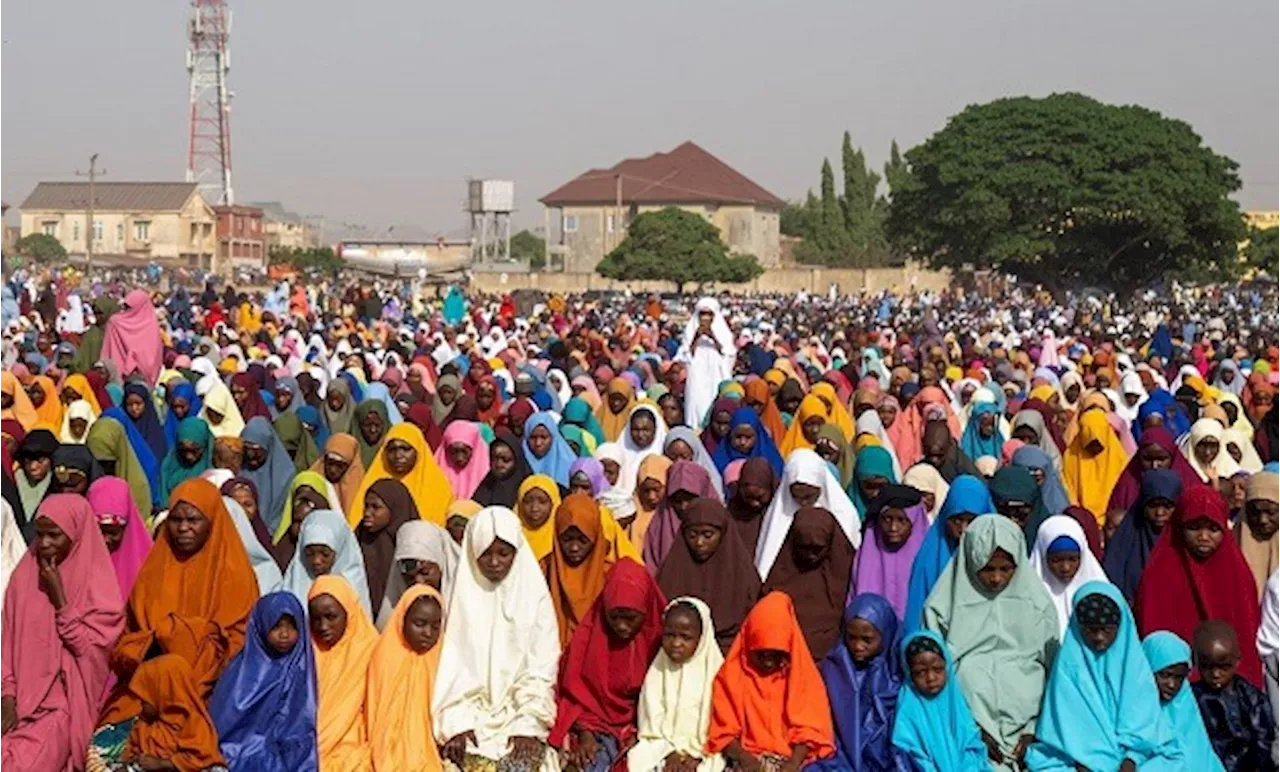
{"points": [[967, 495], [1101, 708], [872, 461], [974, 445], [1164, 649], [937, 733]]}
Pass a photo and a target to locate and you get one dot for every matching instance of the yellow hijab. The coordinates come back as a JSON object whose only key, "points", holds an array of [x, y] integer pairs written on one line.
{"points": [[80, 385], [541, 539], [1088, 477], [398, 703], [342, 741], [426, 483], [836, 412], [611, 423], [810, 407]]}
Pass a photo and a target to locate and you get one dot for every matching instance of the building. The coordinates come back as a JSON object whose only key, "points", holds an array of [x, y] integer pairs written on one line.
{"points": [[1262, 220], [284, 229], [403, 257], [241, 240], [596, 207], [11, 233], [141, 220]]}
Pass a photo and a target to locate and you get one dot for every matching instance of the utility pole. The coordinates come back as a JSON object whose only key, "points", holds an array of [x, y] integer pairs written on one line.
{"points": [[88, 215], [617, 210]]}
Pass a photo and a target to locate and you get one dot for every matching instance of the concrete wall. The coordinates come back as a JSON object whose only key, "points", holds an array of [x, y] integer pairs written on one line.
{"points": [[784, 280]]}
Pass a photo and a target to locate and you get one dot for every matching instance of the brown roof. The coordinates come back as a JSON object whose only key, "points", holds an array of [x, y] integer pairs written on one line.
{"points": [[687, 174], [111, 196]]}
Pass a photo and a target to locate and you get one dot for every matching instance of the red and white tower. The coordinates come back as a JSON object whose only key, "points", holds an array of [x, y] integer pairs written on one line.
{"points": [[208, 62]]}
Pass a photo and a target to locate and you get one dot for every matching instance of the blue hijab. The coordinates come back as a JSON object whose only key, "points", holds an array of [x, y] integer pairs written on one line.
{"points": [[863, 699], [273, 477], [1052, 492], [555, 464], [937, 733], [1164, 649], [455, 306], [974, 445], [382, 393], [355, 387], [296, 401], [310, 417], [1101, 708], [1162, 343], [148, 425], [765, 448], [967, 494], [1130, 546], [186, 390], [264, 706], [1162, 402], [141, 451]]}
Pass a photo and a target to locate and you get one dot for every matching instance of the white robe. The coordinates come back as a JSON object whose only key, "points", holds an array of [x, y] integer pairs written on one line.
{"points": [[706, 364]]}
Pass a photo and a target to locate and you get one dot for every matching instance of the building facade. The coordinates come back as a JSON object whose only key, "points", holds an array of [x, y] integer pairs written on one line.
{"points": [[167, 221], [283, 229], [592, 211], [241, 239]]}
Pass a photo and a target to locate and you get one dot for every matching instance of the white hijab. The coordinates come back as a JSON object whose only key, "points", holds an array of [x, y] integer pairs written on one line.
{"points": [[419, 540], [620, 502], [1223, 465], [675, 703], [803, 466], [1062, 594], [926, 478], [869, 423], [12, 547], [499, 658], [633, 454]]}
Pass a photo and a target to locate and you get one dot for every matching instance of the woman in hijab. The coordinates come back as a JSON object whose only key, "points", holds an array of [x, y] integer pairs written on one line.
{"points": [[681, 444], [650, 492], [326, 545], [1060, 556], [190, 455], [425, 554], [34, 475], [268, 465], [545, 449], [109, 444], [370, 422], [747, 438], [1017, 496], [807, 481], [757, 397], [141, 410], [507, 470], [1092, 462], [933, 727], [862, 674], [340, 466], [406, 457], [604, 668], [537, 501], [982, 436], [463, 456], [17, 405], [1157, 449], [1205, 449], [264, 706], [1029, 426], [132, 337], [712, 563], [62, 613], [344, 641], [241, 501], [388, 507], [933, 489], [74, 469], [873, 470], [814, 568], [686, 481], [808, 421], [752, 495], [1101, 706], [615, 409], [1130, 546], [77, 420], [768, 702], [502, 712], [296, 440], [245, 391], [995, 614], [339, 409], [580, 560], [1197, 572], [1256, 531], [895, 528], [220, 412], [402, 671], [123, 530], [182, 401], [1170, 659]]}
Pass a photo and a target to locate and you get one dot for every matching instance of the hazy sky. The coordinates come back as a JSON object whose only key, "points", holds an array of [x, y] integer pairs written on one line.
{"points": [[376, 112]]}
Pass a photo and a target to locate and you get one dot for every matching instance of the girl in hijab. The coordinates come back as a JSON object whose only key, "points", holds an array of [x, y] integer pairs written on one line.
{"points": [[862, 674], [296, 440], [220, 412], [425, 554], [182, 401], [807, 481], [16, 403], [932, 488], [77, 419], [1256, 531], [713, 564], [62, 613], [717, 423], [675, 699], [406, 457], [994, 613], [768, 702], [1197, 572], [808, 421], [1130, 546], [982, 436], [537, 501], [1017, 497], [141, 410], [873, 470], [34, 475], [580, 560], [1101, 706], [388, 507], [370, 422], [339, 409], [646, 433], [1029, 426], [340, 466], [463, 456], [604, 668], [686, 481], [650, 491], [896, 526], [74, 469], [1205, 450], [615, 409], [344, 641], [264, 706], [402, 671], [681, 444], [190, 455], [747, 439], [123, 530], [507, 470], [752, 495], [1092, 463], [502, 712], [109, 444], [933, 727], [1060, 556], [545, 449], [758, 397], [326, 545], [814, 568], [1170, 660], [268, 465], [244, 390]]}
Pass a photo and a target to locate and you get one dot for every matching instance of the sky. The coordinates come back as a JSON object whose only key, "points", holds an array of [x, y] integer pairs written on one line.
{"points": [[375, 113]]}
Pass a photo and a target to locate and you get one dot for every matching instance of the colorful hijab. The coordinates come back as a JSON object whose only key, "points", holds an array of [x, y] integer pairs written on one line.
{"points": [[725, 453], [425, 481], [113, 503], [1164, 649], [1061, 533], [324, 527], [342, 673], [465, 481], [398, 709], [273, 477], [938, 732], [574, 589], [1130, 546], [1089, 477], [886, 572], [817, 590]]}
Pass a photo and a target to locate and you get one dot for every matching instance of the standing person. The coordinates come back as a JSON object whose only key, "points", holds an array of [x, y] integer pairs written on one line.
{"points": [[1257, 530], [344, 640], [708, 353], [132, 338], [402, 672], [1236, 713]]}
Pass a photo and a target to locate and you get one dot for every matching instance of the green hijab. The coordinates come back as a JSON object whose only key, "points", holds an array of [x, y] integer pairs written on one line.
{"points": [[369, 452], [90, 350], [108, 441], [578, 413], [190, 429], [296, 440], [872, 461], [845, 461], [1015, 483]]}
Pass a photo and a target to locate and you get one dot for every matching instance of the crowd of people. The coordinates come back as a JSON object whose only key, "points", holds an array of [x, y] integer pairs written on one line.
{"points": [[347, 526]]}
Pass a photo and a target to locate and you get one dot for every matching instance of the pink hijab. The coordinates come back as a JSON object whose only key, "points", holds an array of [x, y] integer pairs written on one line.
{"points": [[41, 671], [463, 481], [132, 338], [113, 503]]}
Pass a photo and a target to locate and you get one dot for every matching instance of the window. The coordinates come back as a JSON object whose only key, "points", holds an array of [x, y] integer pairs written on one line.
{"points": [[75, 230], [119, 232], [570, 223], [142, 230], [50, 228], [608, 223], [97, 230]]}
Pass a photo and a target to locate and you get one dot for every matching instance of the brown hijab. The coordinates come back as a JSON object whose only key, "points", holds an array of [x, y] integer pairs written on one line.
{"points": [[758, 472], [379, 547], [575, 588], [818, 590]]}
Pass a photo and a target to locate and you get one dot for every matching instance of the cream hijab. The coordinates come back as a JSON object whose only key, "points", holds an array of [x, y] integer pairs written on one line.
{"points": [[419, 540]]}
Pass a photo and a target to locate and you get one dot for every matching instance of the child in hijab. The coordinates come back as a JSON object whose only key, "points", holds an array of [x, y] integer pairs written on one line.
{"points": [[344, 641], [1170, 660], [1236, 713], [933, 727], [402, 672]]}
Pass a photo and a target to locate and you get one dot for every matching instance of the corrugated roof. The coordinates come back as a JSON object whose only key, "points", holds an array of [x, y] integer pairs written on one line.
{"points": [[274, 211], [111, 196], [687, 174]]}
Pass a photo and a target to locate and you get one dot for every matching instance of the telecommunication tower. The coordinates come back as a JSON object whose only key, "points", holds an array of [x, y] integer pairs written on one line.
{"points": [[208, 62]]}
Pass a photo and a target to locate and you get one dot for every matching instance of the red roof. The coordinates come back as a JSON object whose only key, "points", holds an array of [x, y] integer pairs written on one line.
{"points": [[688, 174]]}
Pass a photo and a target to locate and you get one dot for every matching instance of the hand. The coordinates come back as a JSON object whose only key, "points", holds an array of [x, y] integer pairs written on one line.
{"points": [[8, 714], [1128, 765], [748, 762], [993, 748], [581, 756], [456, 747], [1024, 742], [674, 762], [526, 752], [51, 579], [152, 763]]}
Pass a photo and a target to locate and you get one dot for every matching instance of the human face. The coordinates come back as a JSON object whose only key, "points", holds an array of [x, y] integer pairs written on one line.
{"points": [[808, 552], [1262, 517], [400, 457], [743, 438], [1206, 450], [134, 406], [617, 402], [188, 528], [283, 398], [112, 534], [243, 496], [1016, 510], [372, 427], [239, 393], [1155, 457], [456, 526], [681, 632], [672, 410], [496, 561], [702, 541], [37, 469], [34, 393], [805, 495], [458, 454], [863, 641], [180, 407], [52, 544], [254, 455], [377, 515], [651, 492], [766, 662], [872, 486], [319, 559], [1027, 435], [624, 622], [935, 452], [1158, 512], [335, 467], [283, 636], [810, 428], [1169, 680], [1098, 637], [987, 424], [1202, 536], [681, 501], [335, 399], [535, 508], [611, 470], [894, 527], [1217, 664], [414, 571], [1064, 565], [78, 426], [928, 673], [720, 423], [422, 622], [574, 545], [998, 572], [502, 460], [328, 620], [643, 429], [68, 395], [827, 450], [788, 404], [679, 451], [539, 441], [957, 524], [485, 395]]}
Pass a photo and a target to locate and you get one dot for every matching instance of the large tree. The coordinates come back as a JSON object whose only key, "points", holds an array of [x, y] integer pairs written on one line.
{"points": [[40, 247], [1068, 190], [1263, 249], [530, 247], [676, 246]]}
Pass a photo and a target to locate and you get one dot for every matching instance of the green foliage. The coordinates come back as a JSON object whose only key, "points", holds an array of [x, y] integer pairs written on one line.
{"points": [[1067, 190], [527, 246], [895, 169], [320, 259], [40, 247], [1263, 250], [676, 246]]}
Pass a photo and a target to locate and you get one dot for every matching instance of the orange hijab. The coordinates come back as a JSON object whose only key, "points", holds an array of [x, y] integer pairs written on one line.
{"points": [[654, 466], [575, 588], [810, 407], [757, 393], [346, 446], [341, 678], [21, 410], [398, 705], [770, 714], [183, 734], [612, 423]]}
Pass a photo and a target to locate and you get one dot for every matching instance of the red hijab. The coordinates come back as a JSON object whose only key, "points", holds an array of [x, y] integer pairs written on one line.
{"points": [[1129, 486], [1177, 591]]}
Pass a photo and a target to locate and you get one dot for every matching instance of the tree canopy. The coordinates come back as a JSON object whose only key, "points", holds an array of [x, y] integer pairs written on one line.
{"points": [[40, 247], [321, 259], [1067, 190], [1263, 250], [527, 246], [676, 246]]}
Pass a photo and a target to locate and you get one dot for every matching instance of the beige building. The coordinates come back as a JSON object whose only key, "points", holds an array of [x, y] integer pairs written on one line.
{"points": [[142, 220], [595, 208], [284, 229]]}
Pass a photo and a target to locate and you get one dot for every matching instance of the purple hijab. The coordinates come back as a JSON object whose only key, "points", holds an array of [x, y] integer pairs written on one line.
{"points": [[594, 471], [664, 529], [888, 573]]}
